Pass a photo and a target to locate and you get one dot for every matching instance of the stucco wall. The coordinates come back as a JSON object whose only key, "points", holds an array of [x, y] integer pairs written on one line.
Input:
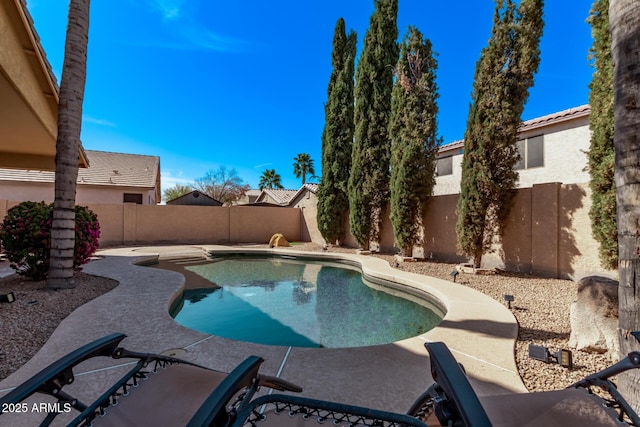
{"points": [[131, 224], [44, 192], [565, 154], [307, 203], [548, 233], [565, 158]]}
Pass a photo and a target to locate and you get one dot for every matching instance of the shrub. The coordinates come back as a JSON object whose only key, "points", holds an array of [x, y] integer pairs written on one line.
{"points": [[25, 234]]}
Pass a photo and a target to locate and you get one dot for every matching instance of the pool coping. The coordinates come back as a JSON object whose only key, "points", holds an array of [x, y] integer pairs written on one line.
{"points": [[480, 332]]}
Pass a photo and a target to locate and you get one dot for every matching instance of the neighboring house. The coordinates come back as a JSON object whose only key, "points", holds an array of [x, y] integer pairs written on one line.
{"points": [[28, 94], [304, 196], [249, 197], [113, 178], [552, 148], [306, 200], [273, 196], [195, 198]]}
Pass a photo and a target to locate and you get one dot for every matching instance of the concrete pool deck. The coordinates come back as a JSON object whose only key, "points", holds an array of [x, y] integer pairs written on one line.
{"points": [[480, 332]]}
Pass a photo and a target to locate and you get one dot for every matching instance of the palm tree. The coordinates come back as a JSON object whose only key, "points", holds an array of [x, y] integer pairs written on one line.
{"points": [[303, 165], [624, 23], [270, 179], [74, 72]]}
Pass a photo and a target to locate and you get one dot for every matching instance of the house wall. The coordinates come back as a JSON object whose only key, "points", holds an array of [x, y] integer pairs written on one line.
{"points": [[565, 156], [132, 224], [44, 192], [307, 203]]}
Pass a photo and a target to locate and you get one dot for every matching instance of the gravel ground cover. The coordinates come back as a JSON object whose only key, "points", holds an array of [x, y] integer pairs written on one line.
{"points": [[28, 322], [541, 307]]}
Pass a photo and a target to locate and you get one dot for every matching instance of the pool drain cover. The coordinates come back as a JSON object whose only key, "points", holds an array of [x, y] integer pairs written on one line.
{"points": [[175, 352]]}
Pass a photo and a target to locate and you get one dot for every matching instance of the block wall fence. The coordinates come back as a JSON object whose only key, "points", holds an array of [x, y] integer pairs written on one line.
{"points": [[548, 232], [133, 224]]}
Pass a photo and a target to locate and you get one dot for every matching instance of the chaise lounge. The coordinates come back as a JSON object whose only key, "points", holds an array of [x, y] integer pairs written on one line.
{"points": [[166, 391]]}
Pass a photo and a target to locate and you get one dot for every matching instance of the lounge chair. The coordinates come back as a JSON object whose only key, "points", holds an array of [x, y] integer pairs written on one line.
{"points": [[157, 391], [451, 401], [167, 391]]}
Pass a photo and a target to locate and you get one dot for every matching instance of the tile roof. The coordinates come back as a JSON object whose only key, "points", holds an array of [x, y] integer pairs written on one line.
{"points": [[280, 196], [560, 116], [311, 187], [130, 170]]}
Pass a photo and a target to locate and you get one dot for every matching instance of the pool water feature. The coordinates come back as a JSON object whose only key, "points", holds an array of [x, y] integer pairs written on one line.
{"points": [[279, 301]]}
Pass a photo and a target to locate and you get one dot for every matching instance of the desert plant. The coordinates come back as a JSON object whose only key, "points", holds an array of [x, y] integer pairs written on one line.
{"points": [[26, 237]]}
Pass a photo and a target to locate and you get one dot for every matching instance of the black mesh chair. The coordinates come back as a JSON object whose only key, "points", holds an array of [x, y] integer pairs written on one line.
{"points": [[157, 391], [165, 391]]}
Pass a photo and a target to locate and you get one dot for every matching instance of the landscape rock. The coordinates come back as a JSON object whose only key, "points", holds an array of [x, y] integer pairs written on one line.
{"points": [[594, 316], [278, 240]]}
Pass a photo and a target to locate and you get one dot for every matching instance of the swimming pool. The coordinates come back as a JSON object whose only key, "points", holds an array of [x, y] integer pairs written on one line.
{"points": [[283, 301]]}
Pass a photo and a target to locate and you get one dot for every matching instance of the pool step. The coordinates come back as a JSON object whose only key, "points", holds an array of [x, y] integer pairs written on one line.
{"points": [[189, 258]]}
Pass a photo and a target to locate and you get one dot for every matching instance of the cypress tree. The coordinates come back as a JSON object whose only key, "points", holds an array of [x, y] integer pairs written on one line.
{"points": [[601, 153], [369, 177], [337, 137], [413, 132], [503, 76]]}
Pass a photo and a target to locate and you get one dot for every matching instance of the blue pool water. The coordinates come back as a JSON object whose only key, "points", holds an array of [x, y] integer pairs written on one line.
{"points": [[285, 302]]}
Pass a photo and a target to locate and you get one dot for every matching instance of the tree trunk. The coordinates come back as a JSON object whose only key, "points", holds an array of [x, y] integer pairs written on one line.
{"points": [[72, 85], [624, 18]]}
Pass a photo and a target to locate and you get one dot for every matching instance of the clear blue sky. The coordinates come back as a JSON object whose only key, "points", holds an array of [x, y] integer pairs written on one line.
{"points": [[205, 83]]}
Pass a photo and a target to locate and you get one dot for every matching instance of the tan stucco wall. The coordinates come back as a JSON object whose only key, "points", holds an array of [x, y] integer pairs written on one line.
{"points": [[307, 203], [548, 233], [258, 223], [44, 192], [565, 154], [565, 158], [131, 224]]}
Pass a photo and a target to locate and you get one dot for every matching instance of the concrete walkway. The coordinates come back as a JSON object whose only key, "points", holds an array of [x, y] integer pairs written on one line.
{"points": [[480, 332]]}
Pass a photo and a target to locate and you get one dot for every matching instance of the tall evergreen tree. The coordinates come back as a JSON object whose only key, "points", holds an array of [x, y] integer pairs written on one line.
{"points": [[503, 76], [337, 137], [413, 131], [369, 177], [601, 152]]}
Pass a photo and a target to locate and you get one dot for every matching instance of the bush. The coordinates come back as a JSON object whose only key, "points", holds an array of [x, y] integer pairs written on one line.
{"points": [[25, 234]]}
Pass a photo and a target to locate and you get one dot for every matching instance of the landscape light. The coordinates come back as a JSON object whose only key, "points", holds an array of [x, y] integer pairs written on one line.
{"points": [[562, 357], [453, 274], [509, 299], [10, 297]]}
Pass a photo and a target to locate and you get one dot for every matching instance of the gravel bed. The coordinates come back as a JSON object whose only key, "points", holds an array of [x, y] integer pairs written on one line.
{"points": [[541, 307], [28, 322]]}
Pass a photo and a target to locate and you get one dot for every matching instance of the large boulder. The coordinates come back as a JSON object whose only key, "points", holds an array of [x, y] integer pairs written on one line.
{"points": [[594, 316]]}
